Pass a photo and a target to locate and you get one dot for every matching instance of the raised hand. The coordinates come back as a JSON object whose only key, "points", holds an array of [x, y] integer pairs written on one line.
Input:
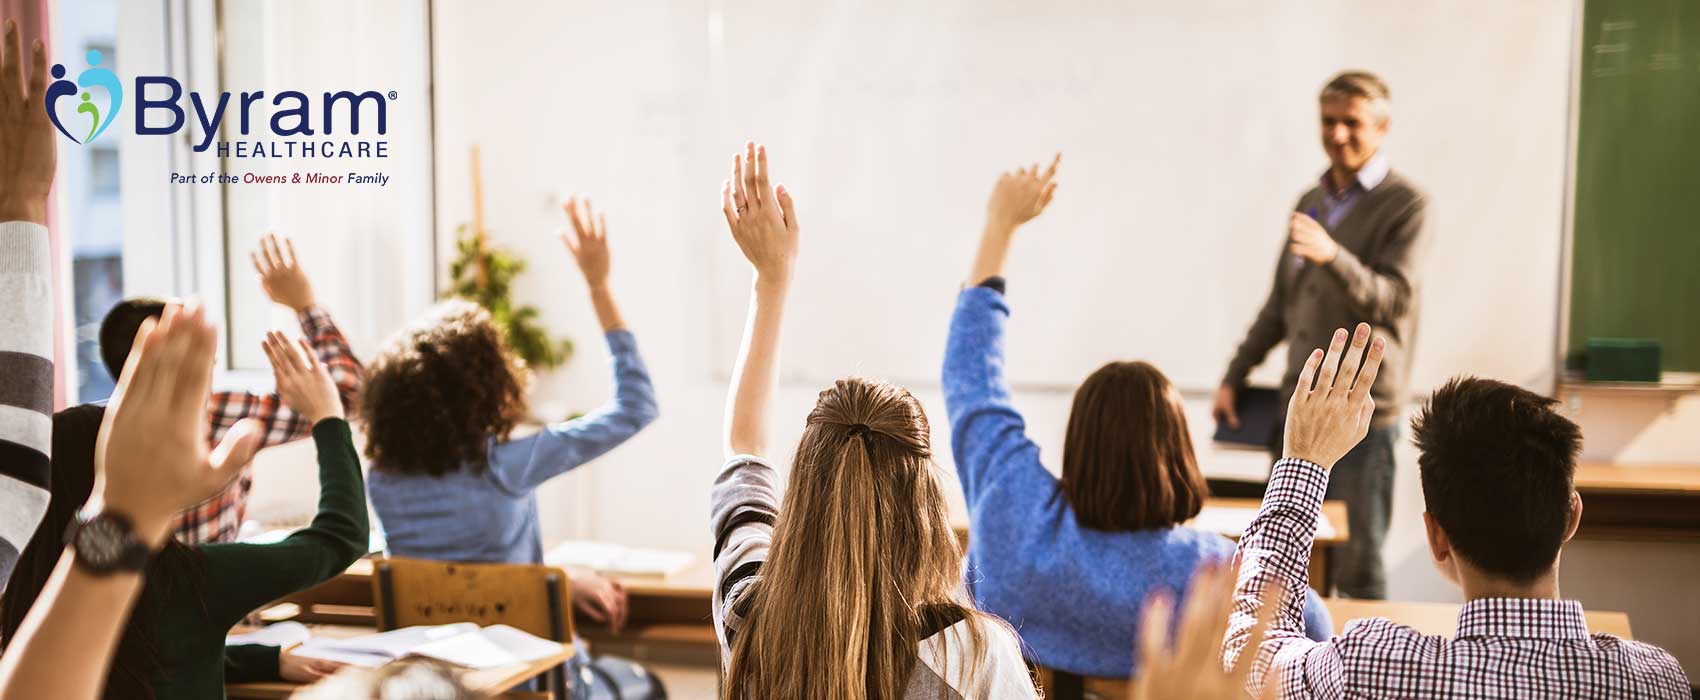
{"points": [[1307, 238], [152, 459], [280, 273], [303, 382], [1022, 194], [587, 240], [27, 156], [1193, 669], [1018, 196], [762, 218], [1324, 423]]}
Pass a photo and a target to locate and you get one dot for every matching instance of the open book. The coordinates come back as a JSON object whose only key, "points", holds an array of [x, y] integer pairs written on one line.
{"points": [[463, 644]]}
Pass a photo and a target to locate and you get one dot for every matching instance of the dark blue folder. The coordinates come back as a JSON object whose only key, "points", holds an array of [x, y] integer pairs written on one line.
{"points": [[1259, 409]]}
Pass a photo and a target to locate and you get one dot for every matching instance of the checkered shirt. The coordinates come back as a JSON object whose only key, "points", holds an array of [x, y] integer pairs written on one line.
{"points": [[219, 518], [1505, 647]]}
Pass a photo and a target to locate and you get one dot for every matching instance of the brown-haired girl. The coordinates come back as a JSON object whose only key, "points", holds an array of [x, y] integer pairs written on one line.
{"points": [[1070, 561]]}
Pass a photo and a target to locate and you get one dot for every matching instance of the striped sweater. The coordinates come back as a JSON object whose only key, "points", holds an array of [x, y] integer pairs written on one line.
{"points": [[26, 384]]}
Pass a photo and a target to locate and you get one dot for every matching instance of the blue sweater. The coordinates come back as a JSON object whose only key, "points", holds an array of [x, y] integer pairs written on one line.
{"points": [[491, 515], [1074, 593]]}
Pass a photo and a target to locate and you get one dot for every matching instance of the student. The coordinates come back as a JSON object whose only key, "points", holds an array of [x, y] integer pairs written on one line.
{"points": [[26, 291], [447, 481], [1498, 467], [853, 589], [280, 275], [1070, 562], [156, 460], [173, 644]]}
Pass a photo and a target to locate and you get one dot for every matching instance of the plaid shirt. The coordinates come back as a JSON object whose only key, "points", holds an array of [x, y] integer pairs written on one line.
{"points": [[219, 518], [1505, 647]]}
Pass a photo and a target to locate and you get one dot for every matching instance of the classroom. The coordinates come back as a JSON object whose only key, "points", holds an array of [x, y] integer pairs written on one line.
{"points": [[949, 328]]}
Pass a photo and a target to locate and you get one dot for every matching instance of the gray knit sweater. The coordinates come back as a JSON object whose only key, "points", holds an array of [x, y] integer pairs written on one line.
{"points": [[1373, 280], [26, 384]]}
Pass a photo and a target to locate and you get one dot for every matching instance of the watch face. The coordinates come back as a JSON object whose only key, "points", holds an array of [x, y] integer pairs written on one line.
{"points": [[101, 542]]}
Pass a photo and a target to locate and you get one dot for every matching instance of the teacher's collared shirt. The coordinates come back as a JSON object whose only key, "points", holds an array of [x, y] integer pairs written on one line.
{"points": [[1335, 205]]}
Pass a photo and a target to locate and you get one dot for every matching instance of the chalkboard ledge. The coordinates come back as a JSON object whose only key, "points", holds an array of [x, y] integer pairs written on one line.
{"points": [[1670, 385]]}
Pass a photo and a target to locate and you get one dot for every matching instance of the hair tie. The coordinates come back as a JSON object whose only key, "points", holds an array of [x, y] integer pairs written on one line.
{"points": [[859, 430]]}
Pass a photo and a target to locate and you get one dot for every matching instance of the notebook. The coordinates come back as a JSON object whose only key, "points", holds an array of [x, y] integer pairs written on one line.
{"points": [[462, 644]]}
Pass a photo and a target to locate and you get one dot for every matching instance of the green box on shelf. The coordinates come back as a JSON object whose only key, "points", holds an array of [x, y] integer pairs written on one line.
{"points": [[1623, 360]]}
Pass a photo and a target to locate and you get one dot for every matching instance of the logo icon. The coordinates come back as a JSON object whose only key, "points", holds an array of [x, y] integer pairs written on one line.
{"points": [[95, 76]]}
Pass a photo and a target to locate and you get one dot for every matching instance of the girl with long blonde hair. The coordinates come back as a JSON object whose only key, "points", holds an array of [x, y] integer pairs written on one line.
{"points": [[852, 590]]}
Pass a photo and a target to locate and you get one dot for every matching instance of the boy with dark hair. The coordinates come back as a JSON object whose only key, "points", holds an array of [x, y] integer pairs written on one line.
{"points": [[1497, 469], [280, 275]]}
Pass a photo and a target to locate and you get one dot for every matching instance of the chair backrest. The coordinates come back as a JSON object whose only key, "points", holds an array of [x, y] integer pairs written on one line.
{"points": [[530, 597], [1062, 685]]}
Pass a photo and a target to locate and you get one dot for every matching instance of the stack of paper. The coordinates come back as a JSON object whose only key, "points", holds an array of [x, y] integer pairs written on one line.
{"points": [[462, 644], [620, 560]]}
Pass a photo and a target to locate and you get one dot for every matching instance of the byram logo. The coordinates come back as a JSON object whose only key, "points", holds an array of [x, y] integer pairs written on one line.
{"points": [[95, 76]]}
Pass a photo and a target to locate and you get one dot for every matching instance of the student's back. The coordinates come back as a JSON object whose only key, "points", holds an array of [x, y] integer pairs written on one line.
{"points": [[447, 483], [851, 589], [1070, 562], [173, 646], [1498, 470]]}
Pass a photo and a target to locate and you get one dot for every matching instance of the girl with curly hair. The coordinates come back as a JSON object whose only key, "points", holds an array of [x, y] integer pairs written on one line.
{"points": [[449, 482]]}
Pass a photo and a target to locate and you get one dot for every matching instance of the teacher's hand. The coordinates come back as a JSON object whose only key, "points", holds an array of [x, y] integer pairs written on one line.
{"points": [[1224, 406], [1307, 238]]}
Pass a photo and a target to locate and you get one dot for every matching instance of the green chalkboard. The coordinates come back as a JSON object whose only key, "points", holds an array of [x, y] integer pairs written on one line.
{"points": [[1635, 262]]}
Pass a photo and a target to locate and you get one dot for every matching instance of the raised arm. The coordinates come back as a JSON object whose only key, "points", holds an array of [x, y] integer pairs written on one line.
{"points": [[252, 574], [763, 221], [1323, 424], [26, 299], [280, 274], [1018, 196], [1191, 668], [525, 463], [151, 460], [986, 430], [588, 242]]}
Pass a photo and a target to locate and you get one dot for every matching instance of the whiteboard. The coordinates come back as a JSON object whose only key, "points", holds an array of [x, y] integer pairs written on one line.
{"points": [[1188, 131]]}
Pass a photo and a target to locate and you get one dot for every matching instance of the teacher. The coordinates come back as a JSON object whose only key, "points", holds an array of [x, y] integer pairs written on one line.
{"points": [[1354, 245]]}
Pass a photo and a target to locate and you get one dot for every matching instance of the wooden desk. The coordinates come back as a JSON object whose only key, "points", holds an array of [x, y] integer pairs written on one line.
{"points": [[489, 681], [663, 611], [1654, 502], [673, 614], [1442, 618]]}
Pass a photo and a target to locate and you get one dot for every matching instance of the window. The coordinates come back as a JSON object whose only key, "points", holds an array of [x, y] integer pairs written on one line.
{"points": [[91, 202]]}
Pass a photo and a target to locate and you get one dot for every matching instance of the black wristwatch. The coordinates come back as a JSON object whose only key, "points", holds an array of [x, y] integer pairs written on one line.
{"points": [[105, 543]]}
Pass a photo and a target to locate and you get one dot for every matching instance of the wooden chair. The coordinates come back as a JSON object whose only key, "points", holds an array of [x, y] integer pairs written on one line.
{"points": [[1062, 685], [530, 597]]}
